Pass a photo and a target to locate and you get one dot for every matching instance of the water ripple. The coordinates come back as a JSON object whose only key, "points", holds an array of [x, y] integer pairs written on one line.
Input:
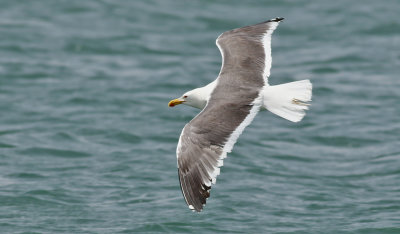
{"points": [[87, 142]]}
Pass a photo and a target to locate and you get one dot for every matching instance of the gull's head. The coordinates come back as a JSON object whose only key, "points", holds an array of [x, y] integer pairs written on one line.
{"points": [[186, 99], [192, 98]]}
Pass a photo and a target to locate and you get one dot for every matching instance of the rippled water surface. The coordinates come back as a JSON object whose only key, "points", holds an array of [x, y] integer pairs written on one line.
{"points": [[87, 142]]}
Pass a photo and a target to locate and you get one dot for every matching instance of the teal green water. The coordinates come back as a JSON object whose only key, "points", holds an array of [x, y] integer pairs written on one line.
{"points": [[87, 142]]}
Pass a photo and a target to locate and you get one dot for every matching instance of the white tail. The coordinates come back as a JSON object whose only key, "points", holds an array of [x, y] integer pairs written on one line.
{"points": [[289, 100]]}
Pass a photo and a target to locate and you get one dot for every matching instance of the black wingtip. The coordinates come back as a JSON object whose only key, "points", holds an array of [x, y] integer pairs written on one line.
{"points": [[278, 19]]}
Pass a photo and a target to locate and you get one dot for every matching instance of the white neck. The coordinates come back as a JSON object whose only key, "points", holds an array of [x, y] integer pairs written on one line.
{"points": [[200, 96]]}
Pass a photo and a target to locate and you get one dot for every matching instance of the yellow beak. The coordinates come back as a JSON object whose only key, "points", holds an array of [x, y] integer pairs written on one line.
{"points": [[175, 102]]}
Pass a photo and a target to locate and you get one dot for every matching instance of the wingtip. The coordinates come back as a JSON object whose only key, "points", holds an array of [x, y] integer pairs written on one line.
{"points": [[277, 19], [196, 209]]}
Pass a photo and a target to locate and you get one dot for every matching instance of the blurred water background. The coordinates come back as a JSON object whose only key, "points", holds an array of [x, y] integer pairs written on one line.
{"points": [[87, 142]]}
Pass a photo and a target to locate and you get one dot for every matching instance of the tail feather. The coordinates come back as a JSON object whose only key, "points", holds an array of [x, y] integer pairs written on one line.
{"points": [[289, 100]]}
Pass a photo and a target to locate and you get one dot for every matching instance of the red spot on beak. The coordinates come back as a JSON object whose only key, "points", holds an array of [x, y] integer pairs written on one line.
{"points": [[175, 102]]}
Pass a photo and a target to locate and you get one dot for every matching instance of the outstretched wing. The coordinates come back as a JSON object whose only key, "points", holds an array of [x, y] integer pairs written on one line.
{"points": [[233, 104], [248, 43]]}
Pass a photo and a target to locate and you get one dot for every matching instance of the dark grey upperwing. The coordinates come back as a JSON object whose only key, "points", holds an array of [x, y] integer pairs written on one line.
{"points": [[248, 48], [233, 104]]}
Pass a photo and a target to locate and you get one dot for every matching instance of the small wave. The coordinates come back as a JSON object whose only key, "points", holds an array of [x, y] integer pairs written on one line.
{"points": [[344, 141], [26, 175], [5, 145], [383, 29], [41, 151]]}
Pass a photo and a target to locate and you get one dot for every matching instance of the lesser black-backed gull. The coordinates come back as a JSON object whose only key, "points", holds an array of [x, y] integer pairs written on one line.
{"points": [[229, 104]]}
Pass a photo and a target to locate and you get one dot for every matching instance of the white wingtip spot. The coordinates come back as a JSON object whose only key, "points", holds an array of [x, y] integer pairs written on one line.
{"points": [[191, 207], [224, 155], [214, 180]]}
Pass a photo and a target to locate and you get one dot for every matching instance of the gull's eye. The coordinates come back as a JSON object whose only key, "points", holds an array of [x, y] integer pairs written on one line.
{"points": [[185, 96]]}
